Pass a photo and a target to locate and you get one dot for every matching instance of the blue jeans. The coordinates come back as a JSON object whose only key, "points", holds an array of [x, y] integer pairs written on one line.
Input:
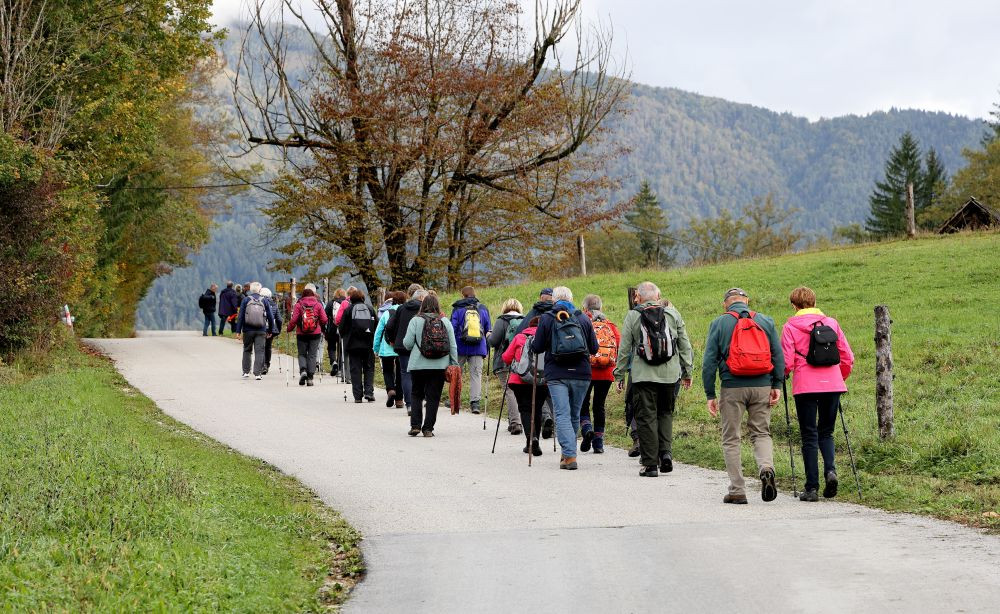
{"points": [[209, 319], [567, 399], [817, 413], [406, 380]]}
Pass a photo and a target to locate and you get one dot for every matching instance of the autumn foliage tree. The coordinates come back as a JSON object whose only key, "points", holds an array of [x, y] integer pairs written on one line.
{"points": [[435, 135]]}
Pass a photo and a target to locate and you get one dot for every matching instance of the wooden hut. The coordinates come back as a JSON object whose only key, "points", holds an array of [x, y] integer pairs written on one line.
{"points": [[973, 215]]}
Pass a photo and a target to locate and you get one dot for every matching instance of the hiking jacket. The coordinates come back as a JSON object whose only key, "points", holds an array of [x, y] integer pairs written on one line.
{"points": [[277, 316], [795, 345], [298, 311], [498, 338], [679, 365], [513, 352], [543, 341], [269, 323], [459, 308], [720, 332], [340, 312], [606, 374], [352, 340], [209, 303], [537, 309], [384, 307], [229, 302], [331, 309], [419, 362], [382, 345], [395, 328]]}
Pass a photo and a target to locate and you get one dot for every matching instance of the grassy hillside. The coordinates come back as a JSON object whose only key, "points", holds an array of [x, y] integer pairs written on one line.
{"points": [[945, 460], [109, 505]]}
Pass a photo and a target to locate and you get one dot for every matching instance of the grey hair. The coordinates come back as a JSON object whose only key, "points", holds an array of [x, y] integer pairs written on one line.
{"points": [[419, 294], [647, 291], [592, 302], [254, 287], [562, 293], [265, 292], [413, 289]]}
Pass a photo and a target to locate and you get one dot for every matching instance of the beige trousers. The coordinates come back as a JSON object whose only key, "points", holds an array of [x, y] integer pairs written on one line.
{"points": [[733, 403]]}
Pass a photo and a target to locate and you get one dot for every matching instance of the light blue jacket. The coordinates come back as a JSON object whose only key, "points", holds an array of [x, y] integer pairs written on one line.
{"points": [[418, 361], [381, 346]]}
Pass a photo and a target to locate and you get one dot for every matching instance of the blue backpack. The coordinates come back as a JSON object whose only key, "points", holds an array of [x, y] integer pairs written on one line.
{"points": [[569, 345]]}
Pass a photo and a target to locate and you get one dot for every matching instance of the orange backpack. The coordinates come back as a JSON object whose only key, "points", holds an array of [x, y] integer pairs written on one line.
{"points": [[749, 348], [607, 346]]}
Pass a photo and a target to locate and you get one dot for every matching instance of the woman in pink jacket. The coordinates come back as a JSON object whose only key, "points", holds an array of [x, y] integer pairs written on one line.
{"points": [[522, 390], [816, 389]]}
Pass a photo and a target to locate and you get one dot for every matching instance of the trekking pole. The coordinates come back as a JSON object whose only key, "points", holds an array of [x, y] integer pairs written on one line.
{"points": [[534, 391], [503, 396], [788, 421], [486, 390], [850, 451]]}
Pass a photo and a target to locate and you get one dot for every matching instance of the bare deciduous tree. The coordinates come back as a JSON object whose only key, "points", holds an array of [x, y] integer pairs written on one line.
{"points": [[434, 129]]}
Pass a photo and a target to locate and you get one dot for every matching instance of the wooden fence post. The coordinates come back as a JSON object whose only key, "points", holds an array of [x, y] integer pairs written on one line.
{"points": [[883, 372], [911, 220], [582, 249]]}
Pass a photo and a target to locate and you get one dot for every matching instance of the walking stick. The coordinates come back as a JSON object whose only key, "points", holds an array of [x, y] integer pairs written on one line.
{"points": [[534, 391], [850, 451], [503, 396], [788, 421], [486, 389]]}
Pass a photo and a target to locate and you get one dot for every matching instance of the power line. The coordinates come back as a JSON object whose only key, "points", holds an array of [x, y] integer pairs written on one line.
{"points": [[187, 187]]}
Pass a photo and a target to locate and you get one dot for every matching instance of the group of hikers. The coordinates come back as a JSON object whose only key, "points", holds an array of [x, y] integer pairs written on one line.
{"points": [[557, 363]]}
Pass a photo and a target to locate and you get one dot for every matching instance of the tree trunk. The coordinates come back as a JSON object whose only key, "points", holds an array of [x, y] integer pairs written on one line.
{"points": [[911, 221], [883, 372], [582, 248]]}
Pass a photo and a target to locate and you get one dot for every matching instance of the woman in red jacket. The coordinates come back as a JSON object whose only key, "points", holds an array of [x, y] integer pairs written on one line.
{"points": [[523, 391], [308, 319], [602, 367]]}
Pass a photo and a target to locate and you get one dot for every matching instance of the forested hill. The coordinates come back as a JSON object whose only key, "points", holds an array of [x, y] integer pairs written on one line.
{"points": [[700, 154]]}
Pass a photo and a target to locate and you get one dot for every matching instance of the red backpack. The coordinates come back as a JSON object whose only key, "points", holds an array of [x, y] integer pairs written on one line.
{"points": [[309, 321], [749, 348]]}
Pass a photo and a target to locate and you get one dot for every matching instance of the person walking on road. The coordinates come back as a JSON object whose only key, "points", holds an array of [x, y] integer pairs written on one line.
{"points": [[744, 349], [333, 342], [471, 321], [253, 325], [357, 328], [542, 305], [229, 305], [567, 337], [383, 348], [207, 303], [395, 329], [345, 368], [500, 338], [602, 366], [820, 359], [430, 339], [308, 319], [523, 390], [655, 350], [269, 341]]}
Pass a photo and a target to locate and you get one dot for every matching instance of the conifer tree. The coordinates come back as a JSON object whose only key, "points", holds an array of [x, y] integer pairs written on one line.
{"points": [[888, 201], [650, 225]]}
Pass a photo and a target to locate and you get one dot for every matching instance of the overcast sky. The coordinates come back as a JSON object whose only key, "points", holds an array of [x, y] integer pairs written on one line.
{"points": [[816, 58]]}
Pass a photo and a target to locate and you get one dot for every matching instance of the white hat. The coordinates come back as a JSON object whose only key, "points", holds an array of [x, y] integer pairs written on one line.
{"points": [[311, 287], [265, 292]]}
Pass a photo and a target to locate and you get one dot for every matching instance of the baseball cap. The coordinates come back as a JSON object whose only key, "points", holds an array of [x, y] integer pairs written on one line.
{"points": [[545, 291], [735, 292]]}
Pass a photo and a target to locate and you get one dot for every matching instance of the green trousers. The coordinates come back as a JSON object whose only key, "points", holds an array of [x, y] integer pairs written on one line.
{"points": [[654, 418]]}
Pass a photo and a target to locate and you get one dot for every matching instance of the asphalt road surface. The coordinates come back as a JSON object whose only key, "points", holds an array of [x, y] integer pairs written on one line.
{"points": [[449, 527]]}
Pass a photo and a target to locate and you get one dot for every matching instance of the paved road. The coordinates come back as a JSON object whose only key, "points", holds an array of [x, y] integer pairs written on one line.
{"points": [[451, 528]]}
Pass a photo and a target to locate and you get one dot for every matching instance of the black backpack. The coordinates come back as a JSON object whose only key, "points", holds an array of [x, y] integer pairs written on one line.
{"points": [[656, 344], [434, 342], [204, 302], [568, 344], [823, 350]]}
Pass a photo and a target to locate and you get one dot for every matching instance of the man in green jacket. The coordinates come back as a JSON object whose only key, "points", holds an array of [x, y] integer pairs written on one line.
{"points": [[654, 386], [754, 395]]}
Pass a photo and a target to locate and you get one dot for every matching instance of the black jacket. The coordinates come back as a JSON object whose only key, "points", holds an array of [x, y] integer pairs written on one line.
{"points": [[229, 302], [395, 327], [357, 340], [536, 310], [207, 302], [332, 334]]}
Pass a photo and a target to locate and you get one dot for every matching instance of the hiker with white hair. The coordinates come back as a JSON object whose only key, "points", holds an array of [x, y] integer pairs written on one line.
{"points": [[308, 319], [656, 351], [269, 341], [253, 326]]}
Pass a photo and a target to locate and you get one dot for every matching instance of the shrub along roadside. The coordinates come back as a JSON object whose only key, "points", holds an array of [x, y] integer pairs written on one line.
{"points": [[109, 504]]}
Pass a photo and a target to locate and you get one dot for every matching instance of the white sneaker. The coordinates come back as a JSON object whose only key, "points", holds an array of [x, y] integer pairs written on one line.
{"points": [[258, 377], [246, 376]]}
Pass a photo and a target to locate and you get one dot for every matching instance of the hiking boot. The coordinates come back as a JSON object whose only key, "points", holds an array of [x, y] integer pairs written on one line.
{"points": [[634, 451], [830, 490], [474, 407], [414, 431], [258, 377], [302, 378], [809, 495], [370, 398], [408, 410], [768, 489], [737, 499], [598, 443], [516, 429], [428, 433], [567, 462], [246, 376], [357, 400], [588, 437], [309, 382], [666, 463], [547, 429], [649, 472], [264, 370], [389, 402], [399, 404]]}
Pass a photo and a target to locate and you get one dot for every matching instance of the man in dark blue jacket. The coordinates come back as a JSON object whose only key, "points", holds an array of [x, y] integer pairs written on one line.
{"points": [[568, 378], [229, 304], [471, 340], [254, 326]]}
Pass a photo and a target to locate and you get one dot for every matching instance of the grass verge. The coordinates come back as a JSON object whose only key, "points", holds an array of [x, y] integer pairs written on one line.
{"points": [[107, 504]]}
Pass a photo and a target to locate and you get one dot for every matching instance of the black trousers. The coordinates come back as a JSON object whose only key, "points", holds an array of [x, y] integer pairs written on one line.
{"points": [[267, 352], [362, 363], [333, 350], [599, 392], [522, 392], [817, 413], [389, 370], [425, 395]]}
